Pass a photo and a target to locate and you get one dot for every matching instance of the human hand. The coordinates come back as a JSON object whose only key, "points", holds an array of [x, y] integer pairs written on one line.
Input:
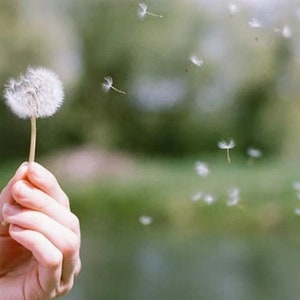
{"points": [[39, 248]]}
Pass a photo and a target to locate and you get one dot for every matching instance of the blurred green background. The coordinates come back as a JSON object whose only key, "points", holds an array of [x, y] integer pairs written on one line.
{"points": [[122, 157]]}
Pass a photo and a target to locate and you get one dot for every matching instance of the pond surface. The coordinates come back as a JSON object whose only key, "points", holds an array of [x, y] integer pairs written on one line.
{"points": [[146, 263]]}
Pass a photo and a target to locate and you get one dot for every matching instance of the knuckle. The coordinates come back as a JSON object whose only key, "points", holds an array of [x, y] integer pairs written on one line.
{"points": [[75, 222], [71, 245], [65, 288], [54, 261], [78, 267]]}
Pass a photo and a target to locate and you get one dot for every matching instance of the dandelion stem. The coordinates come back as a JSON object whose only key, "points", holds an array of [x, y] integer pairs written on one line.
{"points": [[154, 15], [32, 140], [228, 156], [117, 90]]}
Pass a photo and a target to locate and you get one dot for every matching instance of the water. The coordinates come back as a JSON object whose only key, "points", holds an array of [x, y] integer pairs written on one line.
{"points": [[147, 263]]}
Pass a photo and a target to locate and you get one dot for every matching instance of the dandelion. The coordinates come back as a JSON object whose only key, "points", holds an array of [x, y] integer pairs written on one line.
{"points": [[143, 11], [253, 23], [201, 168], [196, 197], [233, 9], [196, 60], [107, 85], [233, 196], [227, 146], [36, 94], [145, 220]]}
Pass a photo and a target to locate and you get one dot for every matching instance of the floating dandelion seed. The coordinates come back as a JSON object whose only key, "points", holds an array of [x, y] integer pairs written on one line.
{"points": [[233, 196], [145, 220], [143, 11], [196, 197], [296, 186], [208, 199], [286, 32], [297, 211], [253, 23], [227, 146], [196, 60], [36, 94], [233, 9], [254, 153], [107, 85], [201, 168]]}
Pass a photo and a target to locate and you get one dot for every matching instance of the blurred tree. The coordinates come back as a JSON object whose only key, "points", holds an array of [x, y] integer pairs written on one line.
{"points": [[172, 106]]}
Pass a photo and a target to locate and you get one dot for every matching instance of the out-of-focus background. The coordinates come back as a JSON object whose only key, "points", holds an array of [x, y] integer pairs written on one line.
{"points": [[163, 215]]}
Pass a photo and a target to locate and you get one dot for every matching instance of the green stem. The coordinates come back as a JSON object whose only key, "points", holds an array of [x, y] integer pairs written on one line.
{"points": [[32, 139], [228, 156]]}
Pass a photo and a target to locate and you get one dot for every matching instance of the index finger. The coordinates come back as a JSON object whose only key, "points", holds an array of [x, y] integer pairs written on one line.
{"points": [[6, 194], [46, 181]]}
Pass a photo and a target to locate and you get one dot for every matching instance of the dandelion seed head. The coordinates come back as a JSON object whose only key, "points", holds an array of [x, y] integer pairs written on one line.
{"points": [[38, 93], [226, 145], [107, 83], [253, 23], [297, 211], [142, 10], [145, 220], [201, 168], [253, 152], [196, 60]]}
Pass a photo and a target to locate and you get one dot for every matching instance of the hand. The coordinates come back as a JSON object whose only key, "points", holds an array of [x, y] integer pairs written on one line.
{"points": [[40, 243]]}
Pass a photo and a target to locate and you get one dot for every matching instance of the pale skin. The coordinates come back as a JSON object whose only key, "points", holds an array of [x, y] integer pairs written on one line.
{"points": [[39, 237]]}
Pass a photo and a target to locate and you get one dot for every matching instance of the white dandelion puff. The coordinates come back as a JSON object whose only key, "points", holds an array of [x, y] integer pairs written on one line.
{"points": [[233, 197], [107, 85], [143, 11], [197, 196], [201, 169], [145, 220], [36, 94], [253, 23], [196, 60], [227, 146]]}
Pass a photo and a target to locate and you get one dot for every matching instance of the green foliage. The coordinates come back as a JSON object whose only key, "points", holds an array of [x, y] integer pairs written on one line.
{"points": [[172, 107]]}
